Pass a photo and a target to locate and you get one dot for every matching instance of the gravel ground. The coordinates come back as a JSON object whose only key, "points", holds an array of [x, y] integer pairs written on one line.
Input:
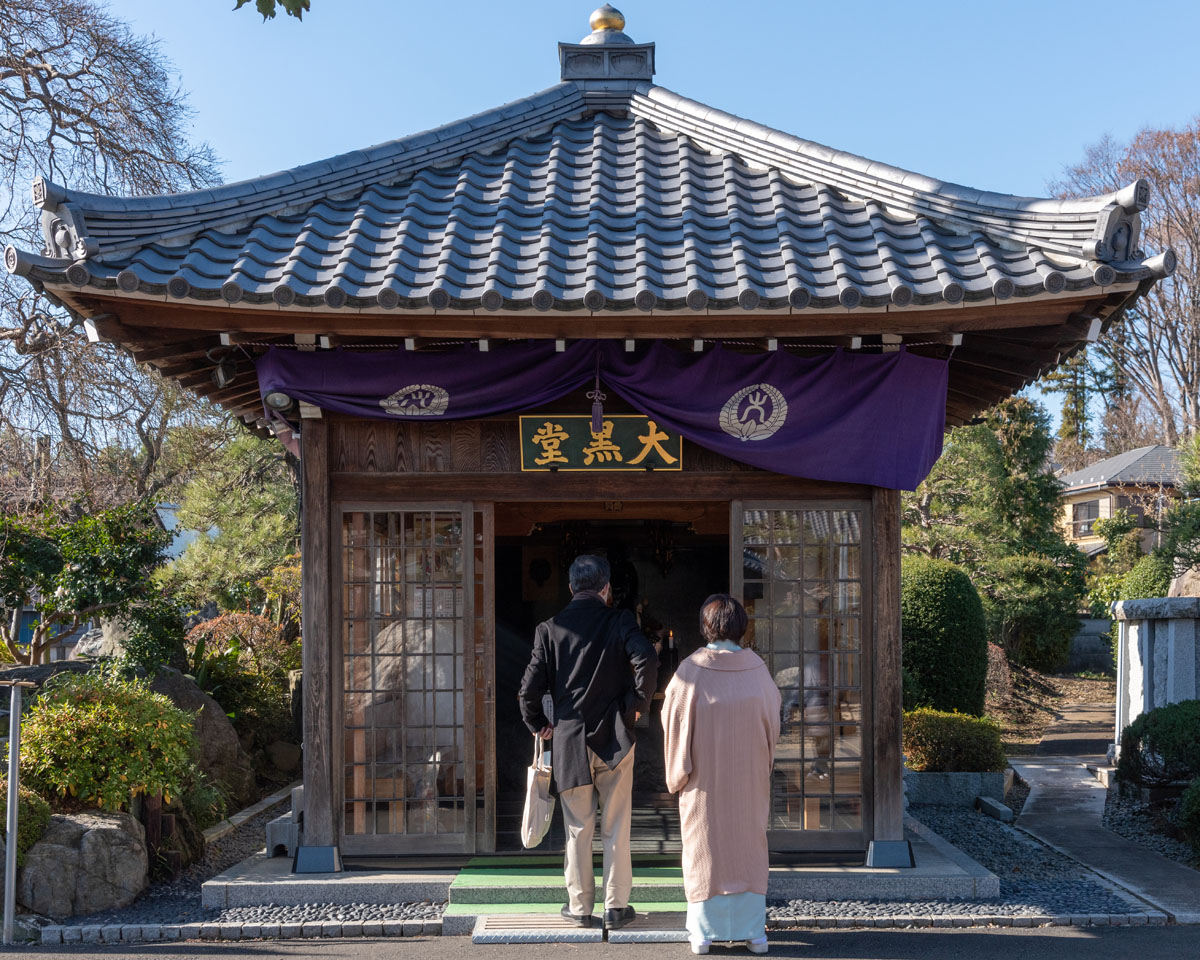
{"points": [[1140, 822], [338, 912], [1034, 880], [1015, 801], [179, 900]]}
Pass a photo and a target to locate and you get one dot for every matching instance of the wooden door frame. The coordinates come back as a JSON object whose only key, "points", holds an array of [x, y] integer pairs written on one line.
{"points": [[828, 840], [401, 844]]}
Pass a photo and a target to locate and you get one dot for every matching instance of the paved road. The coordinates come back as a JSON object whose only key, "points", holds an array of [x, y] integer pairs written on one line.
{"points": [[1080, 730], [1060, 943]]}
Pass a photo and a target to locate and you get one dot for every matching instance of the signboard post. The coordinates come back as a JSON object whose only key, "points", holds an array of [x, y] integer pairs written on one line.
{"points": [[10, 841]]}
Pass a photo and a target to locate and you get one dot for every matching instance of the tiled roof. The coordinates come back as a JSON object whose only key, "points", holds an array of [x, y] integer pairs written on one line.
{"points": [[592, 195], [1149, 466]]}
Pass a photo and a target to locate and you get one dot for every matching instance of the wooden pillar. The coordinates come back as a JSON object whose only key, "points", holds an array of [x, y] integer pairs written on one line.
{"points": [[318, 853], [888, 847]]}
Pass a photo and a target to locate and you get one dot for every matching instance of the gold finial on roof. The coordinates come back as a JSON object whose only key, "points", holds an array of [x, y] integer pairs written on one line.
{"points": [[607, 17]]}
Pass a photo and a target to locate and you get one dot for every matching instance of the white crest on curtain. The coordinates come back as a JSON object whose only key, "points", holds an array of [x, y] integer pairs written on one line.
{"points": [[754, 413], [417, 400]]}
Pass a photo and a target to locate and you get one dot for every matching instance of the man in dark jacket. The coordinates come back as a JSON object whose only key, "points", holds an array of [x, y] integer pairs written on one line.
{"points": [[600, 672]]}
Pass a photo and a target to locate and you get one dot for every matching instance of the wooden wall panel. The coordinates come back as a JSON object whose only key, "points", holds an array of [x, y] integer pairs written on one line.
{"points": [[459, 447], [466, 452]]}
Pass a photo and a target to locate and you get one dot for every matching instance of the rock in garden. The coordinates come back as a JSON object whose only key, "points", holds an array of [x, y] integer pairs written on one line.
{"points": [[84, 863], [222, 758], [1187, 584], [284, 756]]}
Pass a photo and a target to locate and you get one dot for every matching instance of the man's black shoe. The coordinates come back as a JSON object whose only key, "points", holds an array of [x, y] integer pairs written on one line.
{"points": [[615, 919], [584, 921]]}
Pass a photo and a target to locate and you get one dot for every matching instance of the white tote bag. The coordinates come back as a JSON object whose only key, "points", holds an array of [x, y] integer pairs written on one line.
{"points": [[539, 802]]}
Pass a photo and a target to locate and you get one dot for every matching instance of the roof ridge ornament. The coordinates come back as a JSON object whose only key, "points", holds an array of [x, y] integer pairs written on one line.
{"points": [[607, 53], [607, 23]]}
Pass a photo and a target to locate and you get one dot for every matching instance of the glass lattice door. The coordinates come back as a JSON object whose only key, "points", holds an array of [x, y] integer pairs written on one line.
{"points": [[410, 673], [803, 581]]}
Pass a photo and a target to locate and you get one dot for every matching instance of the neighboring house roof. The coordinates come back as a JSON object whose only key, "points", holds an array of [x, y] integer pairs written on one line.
{"points": [[603, 192], [1146, 466]]}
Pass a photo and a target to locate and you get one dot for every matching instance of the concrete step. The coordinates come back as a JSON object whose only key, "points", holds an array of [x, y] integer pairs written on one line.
{"points": [[1106, 775], [262, 880], [482, 885]]}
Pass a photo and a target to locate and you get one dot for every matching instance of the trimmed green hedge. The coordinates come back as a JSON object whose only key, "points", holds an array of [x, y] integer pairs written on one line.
{"points": [[33, 816], [1162, 745], [939, 742], [1150, 578], [944, 635]]}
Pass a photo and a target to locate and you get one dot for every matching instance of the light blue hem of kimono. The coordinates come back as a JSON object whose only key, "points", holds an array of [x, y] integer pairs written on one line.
{"points": [[732, 916]]}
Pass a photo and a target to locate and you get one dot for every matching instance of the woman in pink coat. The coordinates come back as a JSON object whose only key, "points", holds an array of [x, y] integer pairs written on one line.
{"points": [[721, 720]]}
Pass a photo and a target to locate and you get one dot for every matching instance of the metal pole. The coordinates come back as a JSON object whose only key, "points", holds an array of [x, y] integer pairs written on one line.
{"points": [[10, 844]]}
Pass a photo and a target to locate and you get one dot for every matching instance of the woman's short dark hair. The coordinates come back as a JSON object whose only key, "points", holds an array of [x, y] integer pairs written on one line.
{"points": [[589, 572], [723, 618]]}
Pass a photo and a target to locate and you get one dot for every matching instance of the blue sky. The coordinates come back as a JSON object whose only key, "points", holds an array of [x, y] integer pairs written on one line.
{"points": [[999, 95], [995, 95]]}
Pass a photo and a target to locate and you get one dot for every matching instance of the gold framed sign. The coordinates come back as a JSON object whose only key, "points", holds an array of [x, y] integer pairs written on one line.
{"points": [[625, 442]]}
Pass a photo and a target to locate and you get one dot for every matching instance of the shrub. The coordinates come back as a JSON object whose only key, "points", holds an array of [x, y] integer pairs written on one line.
{"points": [[944, 634], [33, 816], [1188, 816], [1162, 745], [154, 637], [940, 742], [204, 801], [912, 694], [241, 661], [1032, 604], [95, 739], [254, 641], [1150, 577]]}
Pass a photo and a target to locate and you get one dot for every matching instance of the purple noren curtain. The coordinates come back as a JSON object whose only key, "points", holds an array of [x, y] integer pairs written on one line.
{"points": [[844, 417]]}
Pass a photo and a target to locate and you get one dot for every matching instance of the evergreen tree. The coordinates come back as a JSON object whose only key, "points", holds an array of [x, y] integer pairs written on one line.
{"points": [[992, 505], [1070, 380]]}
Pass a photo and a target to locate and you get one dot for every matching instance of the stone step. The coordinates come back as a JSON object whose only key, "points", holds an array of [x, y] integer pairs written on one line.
{"points": [[1106, 775], [537, 923], [650, 926], [262, 880]]}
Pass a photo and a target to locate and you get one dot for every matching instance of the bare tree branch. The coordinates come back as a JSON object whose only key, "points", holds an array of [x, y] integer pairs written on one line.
{"points": [[87, 103]]}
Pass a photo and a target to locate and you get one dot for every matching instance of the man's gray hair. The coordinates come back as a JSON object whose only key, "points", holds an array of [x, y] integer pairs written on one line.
{"points": [[589, 572]]}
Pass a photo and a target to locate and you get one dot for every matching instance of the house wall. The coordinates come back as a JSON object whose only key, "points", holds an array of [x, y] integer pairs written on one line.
{"points": [[1109, 502]]}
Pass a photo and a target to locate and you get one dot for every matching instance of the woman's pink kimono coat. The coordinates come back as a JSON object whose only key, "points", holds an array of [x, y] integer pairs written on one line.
{"points": [[721, 720]]}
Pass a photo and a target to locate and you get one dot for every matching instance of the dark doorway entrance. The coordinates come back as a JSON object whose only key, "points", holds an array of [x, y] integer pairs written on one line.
{"points": [[664, 565]]}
